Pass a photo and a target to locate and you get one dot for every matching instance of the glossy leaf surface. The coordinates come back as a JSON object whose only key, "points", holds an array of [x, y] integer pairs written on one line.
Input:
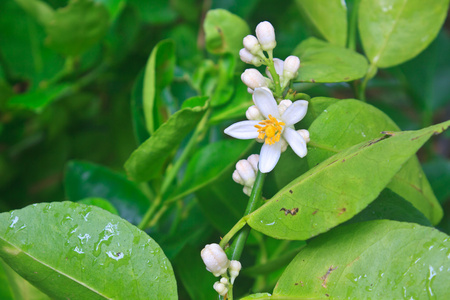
{"points": [[339, 187], [158, 74], [224, 32], [77, 27], [146, 161], [100, 202], [87, 253], [395, 31], [384, 260], [351, 122], [328, 21], [324, 62], [86, 180]]}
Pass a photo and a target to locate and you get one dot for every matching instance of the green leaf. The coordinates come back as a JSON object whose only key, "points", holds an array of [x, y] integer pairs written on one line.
{"points": [[324, 62], [316, 106], [77, 27], [225, 88], [114, 7], [350, 122], [155, 12], [100, 202], [393, 32], [87, 253], [328, 21], [86, 180], [209, 163], [146, 161], [391, 206], [15, 287], [224, 32], [39, 10], [137, 111], [38, 99], [339, 187], [378, 259], [158, 74], [438, 172]]}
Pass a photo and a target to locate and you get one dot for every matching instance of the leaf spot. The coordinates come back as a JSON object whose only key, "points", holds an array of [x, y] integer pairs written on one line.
{"points": [[315, 212], [290, 191], [293, 211], [325, 277]]}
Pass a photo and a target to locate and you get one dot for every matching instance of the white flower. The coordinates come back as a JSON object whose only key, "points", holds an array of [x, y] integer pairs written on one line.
{"points": [[235, 268], [220, 288], [215, 259], [274, 129], [266, 35], [254, 79]]}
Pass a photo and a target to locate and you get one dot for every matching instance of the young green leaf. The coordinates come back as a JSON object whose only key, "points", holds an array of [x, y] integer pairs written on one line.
{"points": [[39, 10], [225, 88], [339, 187], [393, 32], [328, 21], [38, 99], [87, 253], [114, 7], [158, 74], [381, 259], [137, 111], [350, 122], [146, 161], [324, 62], [100, 202], [224, 32], [77, 27], [86, 180]]}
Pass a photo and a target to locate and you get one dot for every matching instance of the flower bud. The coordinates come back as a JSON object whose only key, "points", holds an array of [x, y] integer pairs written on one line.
{"points": [[266, 36], [246, 172], [235, 268], [284, 104], [253, 160], [253, 113], [224, 280], [291, 66], [305, 134], [237, 178], [253, 79], [249, 90], [215, 259], [279, 66], [247, 190], [284, 145], [252, 45], [249, 58], [220, 288]]}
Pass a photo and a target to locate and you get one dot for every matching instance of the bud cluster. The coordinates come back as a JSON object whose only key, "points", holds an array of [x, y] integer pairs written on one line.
{"points": [[245, 173], [253, 54], [217, 262]]}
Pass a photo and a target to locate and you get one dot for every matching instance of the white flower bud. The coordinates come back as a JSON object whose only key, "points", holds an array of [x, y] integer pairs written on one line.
{"points": [[252, 45], [247, 190], [249, 58], [235, 268], [246, 172], [215, 259], [253, 160], [284, 104], [224, 280], [237, 178], [305, 134], [220, 288], [253, 113], [291, 66], [249, 90], [279, 66], [253, 79], [266, 35]]}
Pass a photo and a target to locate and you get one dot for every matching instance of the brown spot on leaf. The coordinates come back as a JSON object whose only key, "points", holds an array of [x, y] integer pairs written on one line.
{"points": [[315, 212], [325, 277], [293, 211], [347, 78], [290, 191], [342, 210], [327, 295], [313, 81]]}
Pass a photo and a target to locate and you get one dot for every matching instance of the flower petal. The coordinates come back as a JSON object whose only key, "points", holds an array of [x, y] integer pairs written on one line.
{"points": [[295, 112], [265, 102], [269, 156], [243, 130], [296, 141]]}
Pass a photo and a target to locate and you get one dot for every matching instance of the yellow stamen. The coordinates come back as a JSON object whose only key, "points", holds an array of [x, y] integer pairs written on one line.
{"points": [[271, 130]]}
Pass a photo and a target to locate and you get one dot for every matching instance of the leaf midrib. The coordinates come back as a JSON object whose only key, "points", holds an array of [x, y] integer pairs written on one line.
{"points": [[55, 270]]}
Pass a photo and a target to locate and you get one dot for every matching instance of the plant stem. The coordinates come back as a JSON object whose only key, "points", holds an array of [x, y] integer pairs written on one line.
{"points": [[275, 76], [351, 41], [369, 75], [146, 219]]}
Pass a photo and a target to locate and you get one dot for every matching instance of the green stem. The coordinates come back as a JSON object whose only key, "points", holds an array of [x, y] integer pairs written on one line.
{"points": [[275, 76], [253, 203], [146, 219], [351, 42], [362, 88]]}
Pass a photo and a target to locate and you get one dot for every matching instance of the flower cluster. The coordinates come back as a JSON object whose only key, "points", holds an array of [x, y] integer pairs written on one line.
{"points": [[217, 262], [271, 120], [245, 172]]}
